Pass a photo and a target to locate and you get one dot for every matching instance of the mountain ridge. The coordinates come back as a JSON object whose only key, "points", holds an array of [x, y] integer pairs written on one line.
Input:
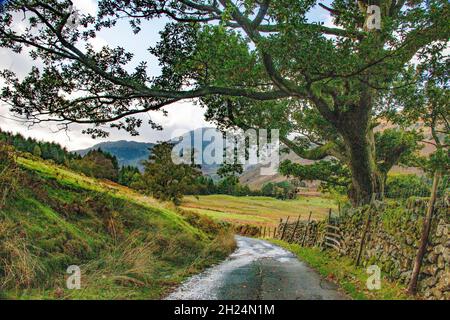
{"points": [[133, 153], [128, 153]]}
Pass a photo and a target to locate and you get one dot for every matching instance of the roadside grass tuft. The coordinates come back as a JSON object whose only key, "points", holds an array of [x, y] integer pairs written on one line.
{"points": [[20, 267]]}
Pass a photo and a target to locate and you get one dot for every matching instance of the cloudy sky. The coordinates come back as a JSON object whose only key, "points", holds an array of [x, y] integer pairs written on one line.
{"points": [[182, 117]]}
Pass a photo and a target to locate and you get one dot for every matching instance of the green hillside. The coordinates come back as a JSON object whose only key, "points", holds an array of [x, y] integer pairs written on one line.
{"points": [[128, 246]]}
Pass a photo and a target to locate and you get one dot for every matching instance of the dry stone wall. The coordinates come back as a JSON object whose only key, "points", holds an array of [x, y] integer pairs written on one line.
{"points": [[305, 233], [392, 242]]}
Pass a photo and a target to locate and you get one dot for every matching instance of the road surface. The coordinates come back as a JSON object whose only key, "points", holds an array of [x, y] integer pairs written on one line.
{"points": [[258, 270]]}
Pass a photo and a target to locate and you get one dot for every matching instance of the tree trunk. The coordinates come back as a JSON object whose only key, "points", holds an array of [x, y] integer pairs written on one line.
{"points": [[365, 178], [412, 288], [354, 125]]}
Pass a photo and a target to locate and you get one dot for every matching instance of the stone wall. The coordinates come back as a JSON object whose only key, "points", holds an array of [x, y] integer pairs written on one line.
{"points": [[392, 242], [307, 234]]}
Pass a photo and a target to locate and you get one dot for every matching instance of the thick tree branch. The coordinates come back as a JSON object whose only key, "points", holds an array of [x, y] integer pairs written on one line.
{"points": [[316, 153]]}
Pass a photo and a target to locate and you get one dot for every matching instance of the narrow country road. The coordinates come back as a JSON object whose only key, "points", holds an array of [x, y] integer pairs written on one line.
{"points": [[258, 270]]}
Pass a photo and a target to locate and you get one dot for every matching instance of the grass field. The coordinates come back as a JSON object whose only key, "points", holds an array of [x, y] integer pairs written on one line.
{"points": [[259, 211]]}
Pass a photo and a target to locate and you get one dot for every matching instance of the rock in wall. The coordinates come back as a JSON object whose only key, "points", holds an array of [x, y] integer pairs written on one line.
{"points": [[303, 233], [392, 241]]}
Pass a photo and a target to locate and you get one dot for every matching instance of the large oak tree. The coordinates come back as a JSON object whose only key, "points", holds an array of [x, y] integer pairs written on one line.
{"points": [[253, 63]]}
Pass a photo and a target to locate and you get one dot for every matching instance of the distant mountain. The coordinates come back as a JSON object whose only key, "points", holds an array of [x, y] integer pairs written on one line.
{"points": [[128, 153], [134, 153], [207, 169], [252, 175]]}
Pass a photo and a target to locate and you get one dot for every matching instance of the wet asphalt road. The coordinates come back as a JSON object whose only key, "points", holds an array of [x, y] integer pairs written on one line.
{"points": [[258, 270]]}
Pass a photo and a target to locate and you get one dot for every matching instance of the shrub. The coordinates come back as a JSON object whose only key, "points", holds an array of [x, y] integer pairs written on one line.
{"points": [[406, 185], [280, 190], [8, 173], [97, 164], [201, 222]]}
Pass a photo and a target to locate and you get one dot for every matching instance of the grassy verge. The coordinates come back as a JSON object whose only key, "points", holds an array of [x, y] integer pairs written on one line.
{"points": [[342, 270], [258, 211], [127, 246]]}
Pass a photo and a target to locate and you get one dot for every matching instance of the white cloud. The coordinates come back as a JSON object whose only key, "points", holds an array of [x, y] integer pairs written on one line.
{"points": [[86, 6], [182, 116], [45, 131], [98, 43], [328, 21], [5, 59]]}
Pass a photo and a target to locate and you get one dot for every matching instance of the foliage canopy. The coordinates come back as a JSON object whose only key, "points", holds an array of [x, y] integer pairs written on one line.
{"points": [[260, 64]]}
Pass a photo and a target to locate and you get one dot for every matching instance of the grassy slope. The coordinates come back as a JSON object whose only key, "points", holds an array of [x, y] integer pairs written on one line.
{"points": [[343, 271], [127, 245], [261, 211]]}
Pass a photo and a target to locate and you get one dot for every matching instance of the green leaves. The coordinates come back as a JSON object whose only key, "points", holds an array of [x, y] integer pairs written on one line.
{"points": [[420, 97], [251, 63], [175, 53], [225, 58], [395, 146], [330, 172], [165, 180]]}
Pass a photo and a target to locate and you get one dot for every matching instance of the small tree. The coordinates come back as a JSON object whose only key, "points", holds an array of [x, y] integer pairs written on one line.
{"points": [[427, 102], [281, 190], [268, 189], [230, 178], [128, 175], [98, 164], [37, 151], [165, 180], [203, 185]]}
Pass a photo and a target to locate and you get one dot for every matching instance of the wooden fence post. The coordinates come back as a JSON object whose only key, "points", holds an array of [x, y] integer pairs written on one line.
{"points": [[295, 228], [275, 233], [306, 229], [412, 288], [284, 228]]}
